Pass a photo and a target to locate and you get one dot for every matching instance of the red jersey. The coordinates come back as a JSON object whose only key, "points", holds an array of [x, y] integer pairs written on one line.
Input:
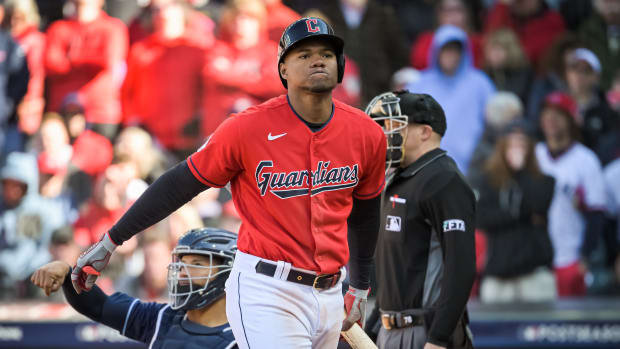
{"points": [[87, 59], [235, 79], [536, 33], [292, 187], [162, 94]]}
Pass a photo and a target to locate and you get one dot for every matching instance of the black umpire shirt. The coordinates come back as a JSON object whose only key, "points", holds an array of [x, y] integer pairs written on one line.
{"points": [[426, 253]]}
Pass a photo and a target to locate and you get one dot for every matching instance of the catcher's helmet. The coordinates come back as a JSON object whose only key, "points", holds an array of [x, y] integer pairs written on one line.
{"points": [[305, 28], [216, 244], [386, 110]]}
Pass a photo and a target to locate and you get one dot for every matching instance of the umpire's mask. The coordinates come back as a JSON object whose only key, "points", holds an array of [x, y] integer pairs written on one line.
{"points": [[385, 110]]}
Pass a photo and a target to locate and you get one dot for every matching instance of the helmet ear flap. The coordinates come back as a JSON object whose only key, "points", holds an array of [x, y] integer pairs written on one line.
{"points": [[341, 63]]}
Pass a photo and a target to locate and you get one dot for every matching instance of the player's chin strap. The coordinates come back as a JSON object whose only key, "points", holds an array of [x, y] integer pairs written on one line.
{"points": [[385, 110]]}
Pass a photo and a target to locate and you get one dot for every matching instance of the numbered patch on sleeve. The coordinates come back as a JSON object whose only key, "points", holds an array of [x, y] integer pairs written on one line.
{"points": [[453, 224]]}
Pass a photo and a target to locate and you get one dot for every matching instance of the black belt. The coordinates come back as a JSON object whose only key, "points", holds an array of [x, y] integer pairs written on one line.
{"points": [[320, 282], [394, 320]]}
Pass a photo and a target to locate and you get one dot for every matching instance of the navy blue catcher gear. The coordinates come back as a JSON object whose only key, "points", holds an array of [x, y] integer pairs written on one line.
{"points": [[306, 28], [186, 290]]}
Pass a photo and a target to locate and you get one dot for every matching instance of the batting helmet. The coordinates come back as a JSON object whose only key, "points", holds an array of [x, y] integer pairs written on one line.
{"points": [[305, 28], [186, 290]]}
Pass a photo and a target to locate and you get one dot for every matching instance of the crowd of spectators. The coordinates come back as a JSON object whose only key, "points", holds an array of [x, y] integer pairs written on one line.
{"points": [[98, 98]]}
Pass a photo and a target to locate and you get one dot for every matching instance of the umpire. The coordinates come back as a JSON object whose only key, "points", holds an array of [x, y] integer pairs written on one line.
{"points": [[425, 253]]}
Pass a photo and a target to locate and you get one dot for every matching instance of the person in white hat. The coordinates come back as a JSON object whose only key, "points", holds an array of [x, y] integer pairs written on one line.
{"points": [[596, 117]]}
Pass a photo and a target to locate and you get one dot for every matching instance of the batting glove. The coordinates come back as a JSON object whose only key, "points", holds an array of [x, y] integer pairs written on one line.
{"points": [[355, 307], [90, 264]]}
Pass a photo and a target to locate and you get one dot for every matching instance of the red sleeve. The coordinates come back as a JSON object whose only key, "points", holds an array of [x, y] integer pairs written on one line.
{"points": [[127, 90], [262, 84], [372, 178], [420, 51], [117, 45], [498, 17], [218, 160], [56, 50], [540, 33], [37, 69], [476, 47]]}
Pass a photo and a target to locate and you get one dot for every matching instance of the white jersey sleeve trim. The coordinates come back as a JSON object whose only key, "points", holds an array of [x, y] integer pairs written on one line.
{"points": [[231, 345], [159, 316], [127, 315]]}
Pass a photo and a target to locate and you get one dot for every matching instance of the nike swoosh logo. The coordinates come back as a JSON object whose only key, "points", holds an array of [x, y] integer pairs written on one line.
{"points": [[271, 138]]}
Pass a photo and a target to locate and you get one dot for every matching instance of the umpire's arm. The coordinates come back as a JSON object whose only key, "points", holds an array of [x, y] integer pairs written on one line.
{"points": [[452, 211]]}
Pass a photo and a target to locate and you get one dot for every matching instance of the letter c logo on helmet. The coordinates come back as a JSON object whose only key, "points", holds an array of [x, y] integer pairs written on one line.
{"points": [[312, 25], [305, 28]]}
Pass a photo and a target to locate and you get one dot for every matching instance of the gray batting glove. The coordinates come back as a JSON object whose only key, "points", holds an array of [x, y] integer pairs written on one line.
{"points": [[90, 264], [355, 307]]}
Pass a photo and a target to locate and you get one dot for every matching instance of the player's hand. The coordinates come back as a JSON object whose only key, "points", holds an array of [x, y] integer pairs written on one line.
{"points": [[50, 276], [90, 264], [432, 346], [355, 307]]}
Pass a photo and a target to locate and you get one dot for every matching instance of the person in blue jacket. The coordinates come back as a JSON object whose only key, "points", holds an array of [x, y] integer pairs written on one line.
{"points": [[194, 318]]}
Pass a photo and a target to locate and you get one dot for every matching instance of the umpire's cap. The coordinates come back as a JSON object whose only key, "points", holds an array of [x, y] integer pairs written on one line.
{"points": [[422, 108], [305, 28]]}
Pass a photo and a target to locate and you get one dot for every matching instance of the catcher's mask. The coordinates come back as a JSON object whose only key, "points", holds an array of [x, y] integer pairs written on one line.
{"points": [[200, 282], [385, 110]]}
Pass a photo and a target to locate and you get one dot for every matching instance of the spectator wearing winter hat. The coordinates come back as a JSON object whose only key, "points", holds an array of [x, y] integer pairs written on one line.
{"points": [[576, 213], [27, 221], [460, 88], [502, 109], [583, 78]]}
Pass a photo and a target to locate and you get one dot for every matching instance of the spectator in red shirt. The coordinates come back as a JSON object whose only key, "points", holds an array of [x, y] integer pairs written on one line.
{"points": [[280, 16], [199, 27], [24, 21], [241, 70], [533, 21], [159, 92], [454, 12], [86, 54]]}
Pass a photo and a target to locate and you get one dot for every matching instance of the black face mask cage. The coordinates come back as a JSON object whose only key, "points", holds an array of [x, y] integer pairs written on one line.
{"points": [[184, 281], [385, 110]]}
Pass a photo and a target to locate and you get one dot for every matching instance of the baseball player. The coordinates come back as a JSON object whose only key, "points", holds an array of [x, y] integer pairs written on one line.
{"points": [[425, 254], [306, 173], [195, 317]]}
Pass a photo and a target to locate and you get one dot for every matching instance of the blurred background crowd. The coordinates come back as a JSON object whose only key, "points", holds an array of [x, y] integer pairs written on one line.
{"points": [[98, 98]]}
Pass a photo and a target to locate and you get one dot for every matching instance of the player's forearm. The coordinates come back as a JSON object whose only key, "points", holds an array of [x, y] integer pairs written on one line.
{"points": [[169, 192], [89, 303], [363, 232]]}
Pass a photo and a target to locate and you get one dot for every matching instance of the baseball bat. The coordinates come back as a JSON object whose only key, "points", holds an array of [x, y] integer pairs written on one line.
{"points": [[357, 338]]}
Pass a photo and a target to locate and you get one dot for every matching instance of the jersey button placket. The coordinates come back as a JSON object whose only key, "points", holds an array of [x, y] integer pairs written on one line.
{"points": [[314, 200]]}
